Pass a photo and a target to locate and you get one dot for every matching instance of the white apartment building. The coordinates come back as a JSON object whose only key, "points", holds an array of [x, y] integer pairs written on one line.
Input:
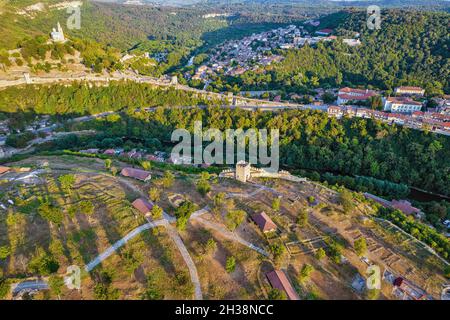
{"points": [[402, 105]]}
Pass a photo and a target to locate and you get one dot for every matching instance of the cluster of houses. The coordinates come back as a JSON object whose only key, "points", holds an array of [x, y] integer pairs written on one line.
{"points": [[157, 156], [403, 109], [235, 57]]}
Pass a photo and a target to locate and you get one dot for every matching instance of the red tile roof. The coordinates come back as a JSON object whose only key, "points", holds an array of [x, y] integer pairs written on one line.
{"points": [[142, 205], [4, 169], [264, 222], [404, 206], [355, 94], [326, 30], [135, 173], [407, 88], [109, 151], [279, 281], [403, 100]]}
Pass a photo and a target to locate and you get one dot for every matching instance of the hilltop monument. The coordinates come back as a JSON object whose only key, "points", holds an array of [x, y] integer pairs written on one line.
{"points": [[58, 34]]}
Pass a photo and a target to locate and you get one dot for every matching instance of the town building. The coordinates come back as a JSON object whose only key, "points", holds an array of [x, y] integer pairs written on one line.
{"points": [[264, 222], [142, 205], [109, 152], [351, 42], [136, 174], [406, 207], [324, 32], [278, 280], [349, 94], [409, 91], [406, 290], [402, 105], [58, 34]]}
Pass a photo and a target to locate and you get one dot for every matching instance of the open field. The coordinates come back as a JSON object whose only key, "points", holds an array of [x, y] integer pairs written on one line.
{"points": [[96, 212]]}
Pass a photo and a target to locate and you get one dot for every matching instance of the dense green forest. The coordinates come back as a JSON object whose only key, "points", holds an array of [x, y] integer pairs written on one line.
{"points": [[81, 98], [309, 139], [411, 48]]}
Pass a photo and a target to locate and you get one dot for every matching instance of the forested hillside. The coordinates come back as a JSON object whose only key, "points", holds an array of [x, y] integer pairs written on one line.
{"points": [[412, 47], [309, 140]]}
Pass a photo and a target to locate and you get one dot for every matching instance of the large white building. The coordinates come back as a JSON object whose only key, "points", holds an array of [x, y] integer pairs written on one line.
{"points": [[402, 105], [409, 91], [349, 94], [58, 34]]}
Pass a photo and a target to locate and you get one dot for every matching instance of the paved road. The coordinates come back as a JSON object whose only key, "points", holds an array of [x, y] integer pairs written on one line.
{"points": [[99, 259], [173, 233], [230, 235], [30, 285], [188, 260]]}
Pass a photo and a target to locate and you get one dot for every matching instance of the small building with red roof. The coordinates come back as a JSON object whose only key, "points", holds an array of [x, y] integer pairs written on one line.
{"points": [[278, 280], [110, 152], [264, 222], [324, 32], [142, 205], [136, 174], [406, 207]]}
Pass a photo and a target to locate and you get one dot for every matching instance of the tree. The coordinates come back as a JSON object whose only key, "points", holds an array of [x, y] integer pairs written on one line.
{"points": [[50, 212], [146, 165], [275, 294], [328, 98], [447, 272], [305, 273], [203, 187], [86, 207], [157, 212], [276, 203], [234, 218], [152, 291], [302, 218], [67, 181], [108, 163], [5, 252], [183, 213], [376, 102], [56, 284], [360, 246], [43, 263], [320, 254], [277, 250], [114, 171], [4, 287], [230, 265], [211, 245], [154, 194], [219, 199], [346, 199], [168, 179], [373, 294]]}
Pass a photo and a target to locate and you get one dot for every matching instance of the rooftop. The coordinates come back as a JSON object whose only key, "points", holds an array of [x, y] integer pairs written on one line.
{"points": [[279, 281], [135, 173], [142, 205], [264, 222]]}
